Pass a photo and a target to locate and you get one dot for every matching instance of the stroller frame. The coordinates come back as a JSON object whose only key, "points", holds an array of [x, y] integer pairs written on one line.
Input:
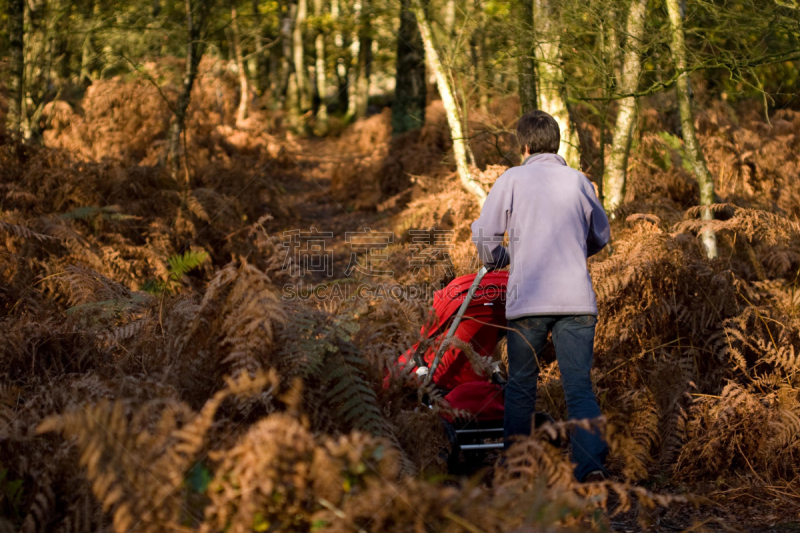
{"points": [[467, 437], [471, 435], [422, 368]]}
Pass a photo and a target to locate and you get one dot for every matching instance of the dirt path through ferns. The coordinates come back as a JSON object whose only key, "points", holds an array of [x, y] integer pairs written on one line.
{"points": [[313, 206]]}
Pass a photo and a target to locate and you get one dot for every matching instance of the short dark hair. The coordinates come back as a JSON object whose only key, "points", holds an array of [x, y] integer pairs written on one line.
{"points": [[539, 132]]}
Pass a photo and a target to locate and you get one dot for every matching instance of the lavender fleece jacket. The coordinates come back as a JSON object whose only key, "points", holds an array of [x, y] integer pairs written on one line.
{"points": [[554, 222]]}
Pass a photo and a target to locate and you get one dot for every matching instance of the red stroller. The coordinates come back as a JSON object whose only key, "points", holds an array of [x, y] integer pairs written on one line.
{"points": [[472, 309], [473, 306]]}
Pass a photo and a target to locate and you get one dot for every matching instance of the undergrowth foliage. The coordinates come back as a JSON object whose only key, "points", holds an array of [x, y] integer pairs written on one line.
{"points": [[154, 379]]}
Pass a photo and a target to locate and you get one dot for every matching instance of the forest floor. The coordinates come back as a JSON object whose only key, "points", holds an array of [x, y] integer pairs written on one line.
{"points": [[314, 206]]}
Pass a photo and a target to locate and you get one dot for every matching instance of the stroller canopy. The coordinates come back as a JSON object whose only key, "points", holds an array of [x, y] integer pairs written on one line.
{"points": [[481, 325]]}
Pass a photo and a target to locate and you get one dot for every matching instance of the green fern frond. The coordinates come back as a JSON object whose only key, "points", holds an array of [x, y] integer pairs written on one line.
{"points": [[180, 265], [314, 335], [351, 396]]}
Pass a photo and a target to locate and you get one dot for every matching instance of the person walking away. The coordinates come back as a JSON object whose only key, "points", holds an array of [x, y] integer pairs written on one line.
{"points": [[554, 222]]}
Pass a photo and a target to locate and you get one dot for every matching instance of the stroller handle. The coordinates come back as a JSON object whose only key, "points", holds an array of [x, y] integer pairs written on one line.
{"points": [[424, 371]]}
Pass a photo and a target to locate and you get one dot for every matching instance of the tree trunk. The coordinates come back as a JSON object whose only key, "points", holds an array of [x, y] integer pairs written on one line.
{"points": [[342, 47], [478, 48], [287, 59], [408, 109], [449, 17], [303, 86], [289, 88], [59, 42], [244, 85], [37, 61], [450, 107], [194, 52], [551, 91], [610, 21], [51, 16], [293, 102], [85, 76], [352, 70], [321, 122], [87, 25], [16, 31], [364, 61], [260, 72], [526, 72], [704, 178], [615, 172]]}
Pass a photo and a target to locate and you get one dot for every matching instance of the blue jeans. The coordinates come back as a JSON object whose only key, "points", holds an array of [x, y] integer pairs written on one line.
{"points": [[573, 337]]}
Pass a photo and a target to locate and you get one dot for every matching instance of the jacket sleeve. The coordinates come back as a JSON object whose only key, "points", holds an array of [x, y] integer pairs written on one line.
{"points": [[599, 229], [488, 230]]}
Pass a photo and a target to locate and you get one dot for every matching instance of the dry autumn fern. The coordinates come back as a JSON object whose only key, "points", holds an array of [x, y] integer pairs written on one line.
{"points": [[137, 463], [696, 361]]}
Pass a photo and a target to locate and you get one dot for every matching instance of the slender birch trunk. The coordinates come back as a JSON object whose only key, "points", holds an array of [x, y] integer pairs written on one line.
{"points": [[37, 61], [303, 85], [260, 75], [274, 82], [526, 72], [450, 107], [478, 46], [551, 92], [59, 39], [449, 17], [287, 59], [341, 47], [85, 75], [408, 109], [244, 84], [88, 26], [321, 122], [194, 52], [606, 49], [291, 97], [614, 40], [51, 16], [293, 101], [704, 178], [27, 76], [364, 61], [615, 172], [16, 31], [352, 71]]}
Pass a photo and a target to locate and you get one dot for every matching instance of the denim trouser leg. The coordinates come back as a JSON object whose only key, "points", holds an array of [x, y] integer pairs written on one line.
{"points": [[573, 338], [526, 339]]}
